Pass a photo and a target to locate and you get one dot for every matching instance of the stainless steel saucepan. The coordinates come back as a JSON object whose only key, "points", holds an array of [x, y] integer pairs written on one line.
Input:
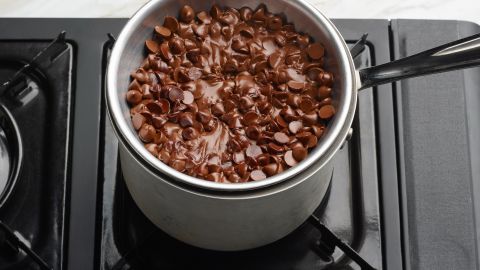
{"points": [[247, 215]]}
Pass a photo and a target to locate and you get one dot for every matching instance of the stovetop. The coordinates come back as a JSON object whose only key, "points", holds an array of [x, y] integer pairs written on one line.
{"points": [[404, 193]]}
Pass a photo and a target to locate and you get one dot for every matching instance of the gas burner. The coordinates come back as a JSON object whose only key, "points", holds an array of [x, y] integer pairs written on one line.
{"points": [[15, 91], [34, 109], [10, 153]]}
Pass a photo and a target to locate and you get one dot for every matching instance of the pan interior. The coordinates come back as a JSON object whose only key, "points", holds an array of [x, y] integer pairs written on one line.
{"points": [[128, 54]]}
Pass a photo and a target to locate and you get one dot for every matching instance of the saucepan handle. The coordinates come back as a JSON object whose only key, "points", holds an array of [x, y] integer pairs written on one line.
{"points": [[459, 54]]}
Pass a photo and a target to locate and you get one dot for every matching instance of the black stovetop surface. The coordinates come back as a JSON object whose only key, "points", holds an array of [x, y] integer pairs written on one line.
{"points": [[402, 192]]}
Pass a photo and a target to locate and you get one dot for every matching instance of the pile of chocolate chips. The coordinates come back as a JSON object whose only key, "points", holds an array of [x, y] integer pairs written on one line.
{"points": [[230, 95]]}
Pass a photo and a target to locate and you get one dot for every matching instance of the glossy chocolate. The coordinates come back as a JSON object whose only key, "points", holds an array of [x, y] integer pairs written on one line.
{"points": [[230, 95]]}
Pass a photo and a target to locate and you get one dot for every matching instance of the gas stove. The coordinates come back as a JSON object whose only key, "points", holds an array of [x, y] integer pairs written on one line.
{"points": [[403, 194]]}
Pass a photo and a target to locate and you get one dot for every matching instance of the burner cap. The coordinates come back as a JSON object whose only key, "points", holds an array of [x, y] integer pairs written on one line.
{"points": [[10, 153]]}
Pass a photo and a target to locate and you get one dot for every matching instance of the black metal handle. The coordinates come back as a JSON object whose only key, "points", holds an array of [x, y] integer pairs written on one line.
{"points": [[459, 54]]}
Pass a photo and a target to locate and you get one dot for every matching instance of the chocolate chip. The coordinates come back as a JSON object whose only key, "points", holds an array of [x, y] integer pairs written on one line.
{"points": [[299, 153], [152, 46], [315, 51], [259, 15], [163, 31], [306, 104], [308, 139], [303, 41], [211, 125], [280, 40], [227, 18], [214, 168], [264, 139], [289, 159], [187, 14], [155, 107], [313, 73], [238, 157], [165, 51], [164, 105], [326, 112], [230, 66], [261, 67], [200, 30], [310, 118], [138, 120], [275, 23], [288, 114], [159, 121], [295, 126], [189, 134], [148, 116], [147, 133], [146, 94], [204, 17], [326, 78], [216, 12], [280, 121], [227, 31], [324, 92], [187, 97], [252, 132], [250, 118], [175, 94], [152, 148], [194, 73], [281, 137], [134, 85], [318, 130], [275, 59], [253, 151], [241, 169], [178, 106], [218, 109], [141, 76], [296, 86], [257, 175], [194, 55], [204, 117], [234, 178], [178, 165], [240, 46], [247, 31], [246, 103], [293, 100], [246, 13], [185, 120], [270, 169], [134, 97], [274, 148], [171, 23], [176, 45], [215, 29]]}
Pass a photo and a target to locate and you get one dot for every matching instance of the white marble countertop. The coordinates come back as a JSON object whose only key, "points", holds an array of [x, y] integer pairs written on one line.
{"points": [[385, 9]]}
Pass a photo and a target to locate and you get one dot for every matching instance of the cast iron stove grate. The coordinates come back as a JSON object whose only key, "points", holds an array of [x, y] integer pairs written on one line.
{"points": [[36, 77]]}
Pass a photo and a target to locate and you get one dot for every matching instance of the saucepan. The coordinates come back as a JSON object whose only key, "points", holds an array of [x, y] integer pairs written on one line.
{"points": [[242, 216]]}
